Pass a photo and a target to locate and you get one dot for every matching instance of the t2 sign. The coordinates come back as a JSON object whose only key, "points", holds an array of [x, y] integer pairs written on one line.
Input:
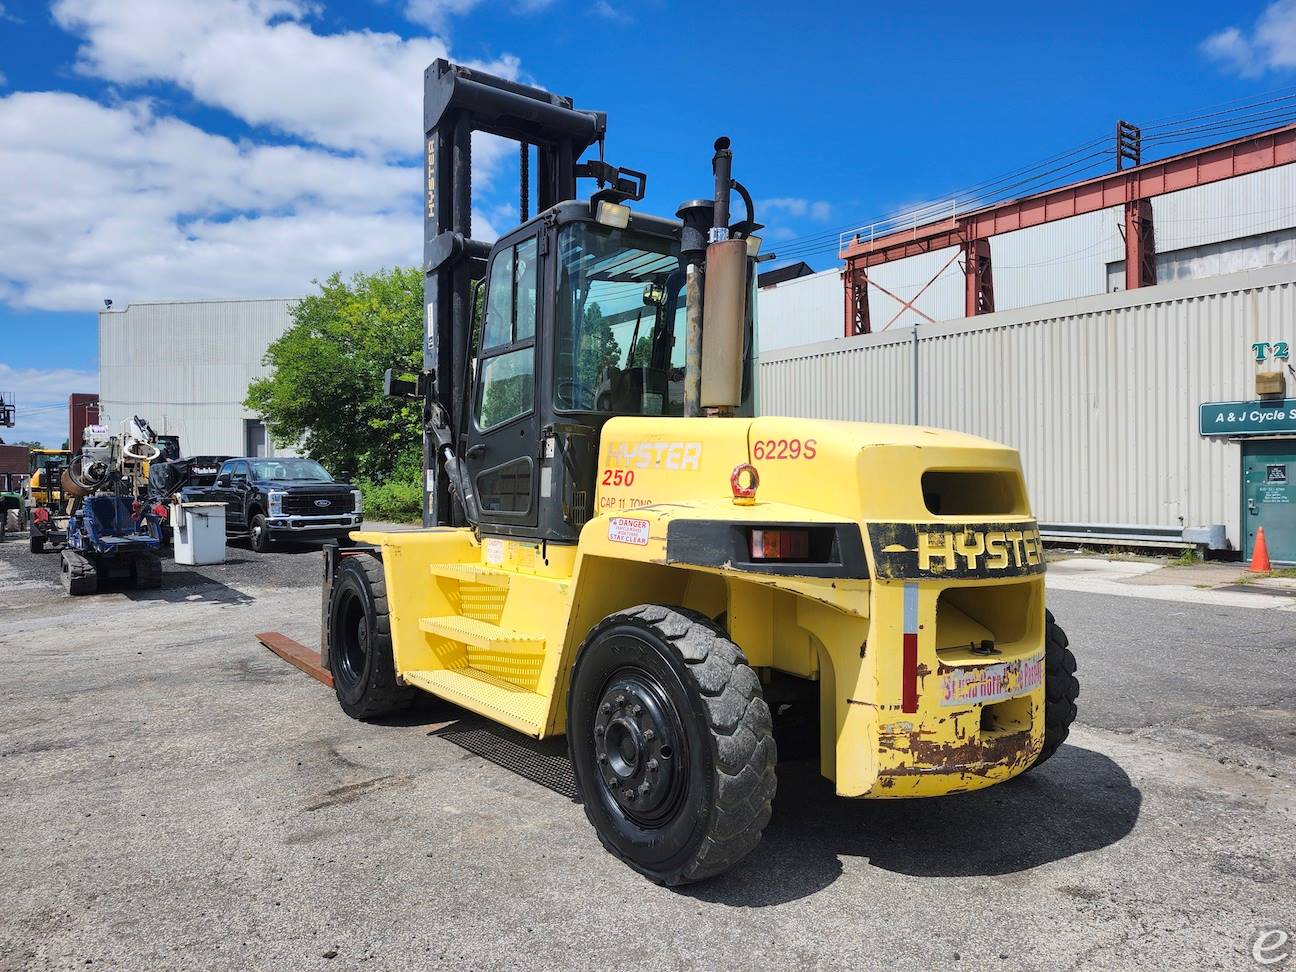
{"points": [[1275, 349]]}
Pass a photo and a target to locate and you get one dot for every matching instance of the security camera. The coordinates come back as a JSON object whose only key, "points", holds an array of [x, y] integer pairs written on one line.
{"points": [[107, 304]]}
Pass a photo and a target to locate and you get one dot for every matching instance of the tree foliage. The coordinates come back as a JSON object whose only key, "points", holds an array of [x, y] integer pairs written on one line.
{"points": [[324, 390]]}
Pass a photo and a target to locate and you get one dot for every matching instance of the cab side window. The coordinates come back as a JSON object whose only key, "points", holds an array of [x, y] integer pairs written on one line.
{"points": [[507, 387]]}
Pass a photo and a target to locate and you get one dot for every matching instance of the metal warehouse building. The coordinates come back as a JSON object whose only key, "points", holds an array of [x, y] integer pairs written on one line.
{"points": [[185, 366], [1156, 412]]}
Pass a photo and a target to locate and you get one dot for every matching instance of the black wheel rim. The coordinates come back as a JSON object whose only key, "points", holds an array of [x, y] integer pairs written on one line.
{"points": [[351, 640], [640, 747]]}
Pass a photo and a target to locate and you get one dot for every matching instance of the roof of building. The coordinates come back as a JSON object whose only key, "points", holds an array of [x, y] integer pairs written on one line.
{"points": [[780, 274]]}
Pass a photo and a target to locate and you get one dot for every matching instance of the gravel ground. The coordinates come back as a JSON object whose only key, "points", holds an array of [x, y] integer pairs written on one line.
{"points": [[172, 796]]}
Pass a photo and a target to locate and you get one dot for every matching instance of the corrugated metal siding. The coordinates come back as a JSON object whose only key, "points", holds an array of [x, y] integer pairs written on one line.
{"points": [[1100, 395], [185, 366], [839, 379], [800, 310]]}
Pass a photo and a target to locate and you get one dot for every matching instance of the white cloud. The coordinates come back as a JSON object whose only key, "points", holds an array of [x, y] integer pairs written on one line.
{"points": [[41, 397], [1270, 44], [433, 14], [356, 91], [124, 203], [128, 202], [793, 206]]}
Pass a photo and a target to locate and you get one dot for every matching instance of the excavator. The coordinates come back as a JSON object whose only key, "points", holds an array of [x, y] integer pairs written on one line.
{"points": [[617, 548]]}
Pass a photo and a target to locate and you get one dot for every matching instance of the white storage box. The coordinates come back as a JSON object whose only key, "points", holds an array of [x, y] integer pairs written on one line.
{"points": [[198, 533]]}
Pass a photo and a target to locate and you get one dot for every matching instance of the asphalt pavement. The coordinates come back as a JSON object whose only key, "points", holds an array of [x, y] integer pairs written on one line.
{"points": [[173, 796]]}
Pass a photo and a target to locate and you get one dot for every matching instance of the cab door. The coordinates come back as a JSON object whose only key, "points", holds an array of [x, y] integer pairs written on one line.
{"points": [[236, 504], [502, 455]]}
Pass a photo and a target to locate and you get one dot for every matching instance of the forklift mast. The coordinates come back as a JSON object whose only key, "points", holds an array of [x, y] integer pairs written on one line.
{"points": [[458, 101]]}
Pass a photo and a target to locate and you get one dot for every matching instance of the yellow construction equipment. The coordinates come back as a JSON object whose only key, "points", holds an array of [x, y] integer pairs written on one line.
{"points": [[617, 549]]}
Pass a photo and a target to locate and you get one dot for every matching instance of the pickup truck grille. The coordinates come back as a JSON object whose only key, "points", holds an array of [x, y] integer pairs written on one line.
{"points": [[308, 504]]}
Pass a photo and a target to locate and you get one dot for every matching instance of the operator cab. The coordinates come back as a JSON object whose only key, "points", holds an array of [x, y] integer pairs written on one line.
{"points": [[577, 320]]}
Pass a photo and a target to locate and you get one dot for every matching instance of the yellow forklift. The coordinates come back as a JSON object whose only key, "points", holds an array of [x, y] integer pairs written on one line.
{"points": [[46, 499], [617, 549]]}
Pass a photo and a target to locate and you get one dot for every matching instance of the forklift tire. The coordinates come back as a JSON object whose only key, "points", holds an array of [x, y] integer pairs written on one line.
{"points": [[78, 574], [37, 544], [360, 644], [146, 572], [259, 534], [671, 743], [1061, 688]]}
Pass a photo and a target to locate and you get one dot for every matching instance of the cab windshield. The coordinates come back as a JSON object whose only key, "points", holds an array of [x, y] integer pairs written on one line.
{"points": [[620, 322], [302, 470]]}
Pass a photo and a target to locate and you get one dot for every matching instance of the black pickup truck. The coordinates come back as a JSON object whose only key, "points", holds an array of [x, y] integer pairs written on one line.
{"points": [[275, 499]]}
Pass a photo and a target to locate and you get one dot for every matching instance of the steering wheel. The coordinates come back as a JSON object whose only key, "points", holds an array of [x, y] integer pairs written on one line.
{"points": [[573, 394]]}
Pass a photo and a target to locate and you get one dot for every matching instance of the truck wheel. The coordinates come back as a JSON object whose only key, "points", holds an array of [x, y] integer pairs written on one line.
{"points": [[37, 544], [360, 645], [78, 574], [259, 534], [146, 571], [671, 743], [1061, 688]]}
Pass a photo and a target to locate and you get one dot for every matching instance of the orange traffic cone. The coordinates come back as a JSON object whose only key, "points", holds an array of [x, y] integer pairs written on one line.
{"points": [[1260, 554]]}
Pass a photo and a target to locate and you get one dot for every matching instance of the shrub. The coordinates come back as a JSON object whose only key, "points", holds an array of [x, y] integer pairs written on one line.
{"points": [[396, 501]]}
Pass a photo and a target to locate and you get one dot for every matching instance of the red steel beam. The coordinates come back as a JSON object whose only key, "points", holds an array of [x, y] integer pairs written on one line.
{"points": [[1199, 167]]}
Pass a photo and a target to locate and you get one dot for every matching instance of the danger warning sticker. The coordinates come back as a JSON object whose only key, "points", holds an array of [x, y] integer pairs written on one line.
{"points": [[624, 529], [992, 683]]}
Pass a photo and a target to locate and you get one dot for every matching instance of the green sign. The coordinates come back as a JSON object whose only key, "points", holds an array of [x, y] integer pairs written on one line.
{"points": [[1248, 418]]}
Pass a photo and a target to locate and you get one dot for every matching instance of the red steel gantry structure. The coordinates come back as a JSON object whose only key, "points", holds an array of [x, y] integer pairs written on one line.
{"points": [[1132, 188]]}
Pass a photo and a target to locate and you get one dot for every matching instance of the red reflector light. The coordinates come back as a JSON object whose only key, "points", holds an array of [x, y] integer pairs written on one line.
{"points": [[780, 544]]}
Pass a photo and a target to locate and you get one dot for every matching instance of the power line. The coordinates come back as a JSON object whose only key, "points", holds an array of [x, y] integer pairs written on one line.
{"points": [[1223, 119]]}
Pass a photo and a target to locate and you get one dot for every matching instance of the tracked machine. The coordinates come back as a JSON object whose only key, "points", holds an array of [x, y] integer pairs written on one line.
{"points": [[616, 548], [112, 533]]}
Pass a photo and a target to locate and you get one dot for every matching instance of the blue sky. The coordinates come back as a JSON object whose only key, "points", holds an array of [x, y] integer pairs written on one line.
{"points": [[154, 149]]}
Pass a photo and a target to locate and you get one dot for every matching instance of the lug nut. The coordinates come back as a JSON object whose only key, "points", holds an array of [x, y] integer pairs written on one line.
{"points": [[602, 757], [628, 793], [598, 730], [643, 789], [636, 709], [649, 735], [605, 708], [620, 700], [652, 764]]}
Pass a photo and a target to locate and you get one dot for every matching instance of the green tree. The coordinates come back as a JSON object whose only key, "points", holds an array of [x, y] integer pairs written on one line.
{"points": [[597, 349], [324, 389]]}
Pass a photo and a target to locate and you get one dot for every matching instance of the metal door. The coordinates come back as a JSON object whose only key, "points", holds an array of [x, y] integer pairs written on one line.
{"points": [[236, 503], [258, 444], [1269, 496], [503, 440]]}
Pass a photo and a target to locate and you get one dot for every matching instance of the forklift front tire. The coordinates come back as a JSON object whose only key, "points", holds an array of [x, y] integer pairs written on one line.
{"points": [[37, 544], [360, 645], [671, 743], [1061, 688]]}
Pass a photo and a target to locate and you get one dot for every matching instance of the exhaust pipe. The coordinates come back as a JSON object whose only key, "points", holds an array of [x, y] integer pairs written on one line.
{"points": [[715, 304]]}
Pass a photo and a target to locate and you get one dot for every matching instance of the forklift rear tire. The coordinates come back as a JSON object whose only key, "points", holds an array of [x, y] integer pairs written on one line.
{"points": [[146, 572], [671, 743], [360, 644], [78, 574], [1061, 688], [259, 534]]}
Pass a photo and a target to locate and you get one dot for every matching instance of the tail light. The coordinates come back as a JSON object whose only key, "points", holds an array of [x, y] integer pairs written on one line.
{"points": [[780, 544]]}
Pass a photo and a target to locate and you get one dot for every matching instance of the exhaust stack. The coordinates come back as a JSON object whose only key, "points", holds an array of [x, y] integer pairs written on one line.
{"points": [[716, 309]]}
